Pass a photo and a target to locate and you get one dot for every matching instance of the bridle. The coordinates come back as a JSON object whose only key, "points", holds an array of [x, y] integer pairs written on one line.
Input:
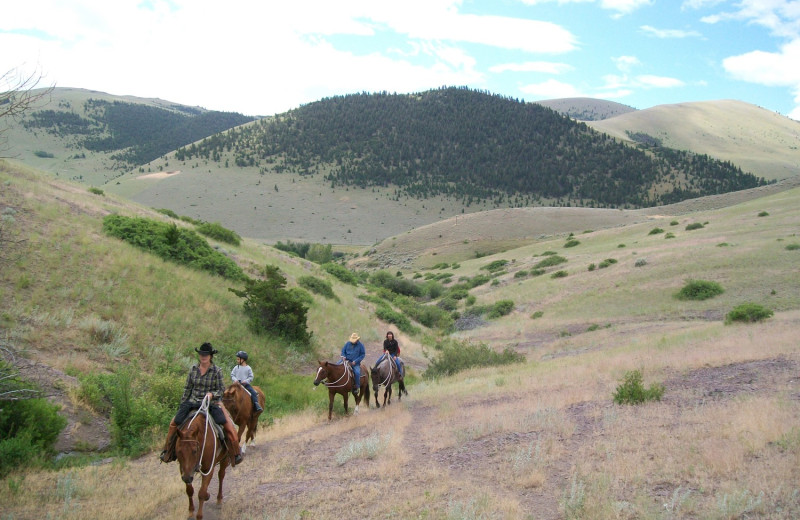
{"points": [[345, 376]]}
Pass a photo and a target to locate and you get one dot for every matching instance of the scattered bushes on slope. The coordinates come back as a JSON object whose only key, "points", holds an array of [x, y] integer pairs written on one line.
{"points": [[170, 242], [453, 356], [217, 232], [318, 286]]}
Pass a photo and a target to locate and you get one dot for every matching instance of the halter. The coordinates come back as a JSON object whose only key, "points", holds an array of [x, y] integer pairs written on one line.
{"points": [[346, 374], [204, 408]]}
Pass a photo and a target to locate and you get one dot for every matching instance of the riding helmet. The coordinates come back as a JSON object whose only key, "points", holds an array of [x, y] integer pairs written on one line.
{"points": [[242, 354]]}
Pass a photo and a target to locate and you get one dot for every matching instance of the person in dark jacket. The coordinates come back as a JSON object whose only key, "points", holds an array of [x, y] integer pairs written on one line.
{"points": [[391, 348], [204, 379], [353, 352]]}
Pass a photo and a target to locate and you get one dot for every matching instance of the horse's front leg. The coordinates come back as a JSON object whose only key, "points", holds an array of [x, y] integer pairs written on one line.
{"points": [[221, 476], [202, 495], [377, 404], [190, 494], [331, 396], [346, 401]]}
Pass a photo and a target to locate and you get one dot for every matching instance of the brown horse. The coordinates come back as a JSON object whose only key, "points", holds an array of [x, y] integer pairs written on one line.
{"points": [[386, 374], [340, 381], [238, 402], [199, 450]]}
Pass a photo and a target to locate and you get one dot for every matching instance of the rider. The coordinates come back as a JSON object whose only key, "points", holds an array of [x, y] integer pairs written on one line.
{"points": [[391, 348], [244, 375], [204, 380], [353, 352]]}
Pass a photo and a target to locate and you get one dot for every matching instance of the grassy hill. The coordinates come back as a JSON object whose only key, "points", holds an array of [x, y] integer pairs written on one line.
{"points": [[722, 442], [757, 140], [92, 137]]}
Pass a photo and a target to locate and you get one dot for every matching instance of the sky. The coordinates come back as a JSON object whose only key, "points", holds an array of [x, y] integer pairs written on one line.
{"points": [[265, 57]]}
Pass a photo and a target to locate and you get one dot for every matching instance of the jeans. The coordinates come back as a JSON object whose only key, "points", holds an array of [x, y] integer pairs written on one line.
{"points": [[188, 407]]}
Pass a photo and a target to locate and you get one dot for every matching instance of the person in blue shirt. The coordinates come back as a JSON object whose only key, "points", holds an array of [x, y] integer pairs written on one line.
{"points": [[353, 352]]}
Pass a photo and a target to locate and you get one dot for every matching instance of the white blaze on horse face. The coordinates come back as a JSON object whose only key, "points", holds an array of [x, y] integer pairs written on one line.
{"points": [[319, 371]]}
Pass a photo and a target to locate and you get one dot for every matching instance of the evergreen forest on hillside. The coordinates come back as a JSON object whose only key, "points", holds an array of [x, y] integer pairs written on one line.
{"points": [[472, 146], [138, 133]]}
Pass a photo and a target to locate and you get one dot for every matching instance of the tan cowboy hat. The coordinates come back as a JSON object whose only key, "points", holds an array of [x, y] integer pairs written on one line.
{"points": [[354, 337]]}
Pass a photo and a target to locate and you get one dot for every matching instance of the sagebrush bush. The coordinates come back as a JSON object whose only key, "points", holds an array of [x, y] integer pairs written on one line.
{"points": [[632, 391], [501, 308], [572, 243], [495, 266], [655, 231], [694, 225], [217, 232], [699, 290], [342, 273], [550, 261], [454, 356], [748, 313]]}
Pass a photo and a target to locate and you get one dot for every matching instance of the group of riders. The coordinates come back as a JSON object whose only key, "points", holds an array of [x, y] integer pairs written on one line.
{"points": [[204, 381]]}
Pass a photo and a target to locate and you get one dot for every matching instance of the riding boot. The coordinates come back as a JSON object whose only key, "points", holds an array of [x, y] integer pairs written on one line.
{"points": [[168, 454], [233, 443], [257, 407]]}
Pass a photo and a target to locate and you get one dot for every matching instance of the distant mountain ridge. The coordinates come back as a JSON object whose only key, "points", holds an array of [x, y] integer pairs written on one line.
{"points": [[471, 146]]}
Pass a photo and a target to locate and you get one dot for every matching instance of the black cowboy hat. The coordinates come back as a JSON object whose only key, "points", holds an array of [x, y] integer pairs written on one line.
{"points": [[206, 348]]}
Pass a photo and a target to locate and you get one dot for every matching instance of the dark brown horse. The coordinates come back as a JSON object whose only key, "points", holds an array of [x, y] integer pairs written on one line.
{"points": [[340, 381], [199, 450], [386, 374], [238, 402]]}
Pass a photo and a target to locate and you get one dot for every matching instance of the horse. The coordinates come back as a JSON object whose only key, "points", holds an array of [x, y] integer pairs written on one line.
{"points": [[339, 380], [239, 404], [386, 374], [199, 450]]}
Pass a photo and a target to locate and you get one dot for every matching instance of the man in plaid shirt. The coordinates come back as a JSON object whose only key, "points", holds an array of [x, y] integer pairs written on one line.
{"points": [[204, 379]]}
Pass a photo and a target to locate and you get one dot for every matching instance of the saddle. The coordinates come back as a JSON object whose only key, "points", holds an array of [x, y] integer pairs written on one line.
{"points": [[216, 428]]}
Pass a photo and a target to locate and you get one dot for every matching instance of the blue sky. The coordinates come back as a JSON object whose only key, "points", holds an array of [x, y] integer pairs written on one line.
{"points": [[267, 56]]}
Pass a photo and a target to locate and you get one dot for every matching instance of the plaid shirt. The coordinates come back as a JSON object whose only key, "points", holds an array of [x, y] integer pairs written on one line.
{"points": [[197, 386]]}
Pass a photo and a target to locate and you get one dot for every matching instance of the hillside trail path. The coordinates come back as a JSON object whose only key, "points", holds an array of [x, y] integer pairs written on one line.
{"points": [[297, 471]]}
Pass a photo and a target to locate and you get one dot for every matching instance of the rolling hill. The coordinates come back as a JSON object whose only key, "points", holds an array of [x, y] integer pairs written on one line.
{"points": [[751, 137], [587, 109]]}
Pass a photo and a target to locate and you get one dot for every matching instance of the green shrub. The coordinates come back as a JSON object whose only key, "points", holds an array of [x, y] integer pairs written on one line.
{"points": [[272, 309], [397, 285], [655, 231], [454, 356], [762, 214], [559, 274], [669, 235], [342, 273], [429, 315], [674, 223], [96, 191], [748, 313], [550, 261], [317, 286], [477, 280], [693, 226], [501, 308], [43, 154], [29, 429], [391, 316], [448, 303], [572, 243], [521, 274], [792, 247], [172, 243], [592, 267], [699, 290], [620, 246], [632, 391], [495, 266], [169, 213], [537, 315], [217, 232], [605, 263], [640, 262]]}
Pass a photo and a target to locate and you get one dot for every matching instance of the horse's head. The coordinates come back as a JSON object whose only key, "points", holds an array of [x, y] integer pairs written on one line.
{"points": [[230, 393], [322, 373], [188, 449]]}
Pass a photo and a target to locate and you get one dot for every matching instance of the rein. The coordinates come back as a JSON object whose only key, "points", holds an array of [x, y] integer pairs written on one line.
{"points": [[204, 408], [391, 369]]}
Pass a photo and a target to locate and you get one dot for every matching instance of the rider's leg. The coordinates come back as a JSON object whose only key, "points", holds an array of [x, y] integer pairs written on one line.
{"points": [[168, 454], [378, 362], [220, 417], [253, 396], [357, 378]]}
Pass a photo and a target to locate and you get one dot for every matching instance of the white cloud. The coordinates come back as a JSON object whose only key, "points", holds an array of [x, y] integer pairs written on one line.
{"points": [[551, 89], [767, 68], [626, 63], [781, 17], [621, 7], [668, 33], [658, 81], [547, 67]]}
